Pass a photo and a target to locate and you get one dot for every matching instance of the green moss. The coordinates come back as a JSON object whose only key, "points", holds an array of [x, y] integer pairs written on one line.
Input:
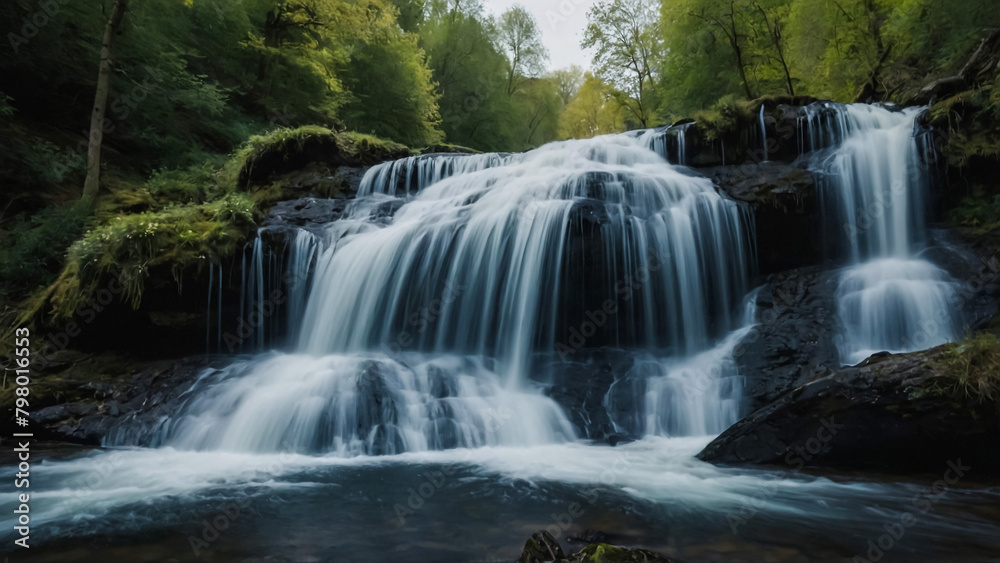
{"points": [[281, 139], [972, 121], [607, 553], [979, 214], [129, 246], [955, 107], [266, 158], [179, 220], [971, 369], [196, 184], [728, 116], [360, 144]]}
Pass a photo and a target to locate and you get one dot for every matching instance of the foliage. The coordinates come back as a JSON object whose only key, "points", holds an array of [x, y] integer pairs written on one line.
{"points": [[198, 77], [39, 244], [982, 215], [395, 95], [972, 368], [834, 49], [592, 111], [487, 76], [128, 246], [627, 49], [568, 82], [6, 109], [521, 42]]}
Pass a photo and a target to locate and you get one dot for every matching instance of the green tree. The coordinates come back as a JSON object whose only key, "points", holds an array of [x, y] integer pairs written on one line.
{"points": [[627, 50], [392, 92], [521, 42], [97, 120], [568, 81], [592, 111]]}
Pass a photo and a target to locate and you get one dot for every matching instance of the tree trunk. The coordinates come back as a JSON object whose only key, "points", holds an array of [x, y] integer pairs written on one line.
{"points": [[743, 72], [91, 184], [735, 39]]}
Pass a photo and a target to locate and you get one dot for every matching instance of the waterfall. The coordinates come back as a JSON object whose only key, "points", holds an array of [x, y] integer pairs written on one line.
{"points": [[483, 262], [763, 134], [668, 142], [412, 174], [682, 144], [875, 184]]}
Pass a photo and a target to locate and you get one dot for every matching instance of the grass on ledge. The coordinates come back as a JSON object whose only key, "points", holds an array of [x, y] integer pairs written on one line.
{"points": [[971, 368]]}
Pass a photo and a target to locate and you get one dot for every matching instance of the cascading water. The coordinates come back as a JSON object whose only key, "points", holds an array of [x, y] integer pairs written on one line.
{"points": [[412, 174], [668, 142], [430, 300], [876, 187], [763, 133]]}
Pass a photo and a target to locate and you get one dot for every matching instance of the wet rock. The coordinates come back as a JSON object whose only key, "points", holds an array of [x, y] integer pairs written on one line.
{"points": [[305, 212], [975, 266], [541, 548], [580, 382], [787, 217], [606, 553], [894, 413], [589, 536], [51, 414], [794, 339]]}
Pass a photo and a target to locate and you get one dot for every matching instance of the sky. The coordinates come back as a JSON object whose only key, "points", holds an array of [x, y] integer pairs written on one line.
{"points": [[561, 22]]}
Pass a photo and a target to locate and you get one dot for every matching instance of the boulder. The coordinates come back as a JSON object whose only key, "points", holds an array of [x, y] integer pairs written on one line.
{"points": [[543, 548], [903, 413], [794, 338], [786, 209]]}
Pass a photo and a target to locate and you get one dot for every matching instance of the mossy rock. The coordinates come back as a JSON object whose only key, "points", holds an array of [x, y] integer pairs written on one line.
{"points": [[542, 547], [281, 152], [607, 553], [895, 413], [449, 148]]}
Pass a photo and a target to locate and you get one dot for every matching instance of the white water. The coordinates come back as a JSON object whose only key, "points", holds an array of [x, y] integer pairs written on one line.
{"points": [[877, 191], [657, 140], [357, 405]]}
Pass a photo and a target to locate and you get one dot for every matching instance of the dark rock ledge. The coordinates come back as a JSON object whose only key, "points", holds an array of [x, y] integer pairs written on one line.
{"points": [[899, 413]]}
